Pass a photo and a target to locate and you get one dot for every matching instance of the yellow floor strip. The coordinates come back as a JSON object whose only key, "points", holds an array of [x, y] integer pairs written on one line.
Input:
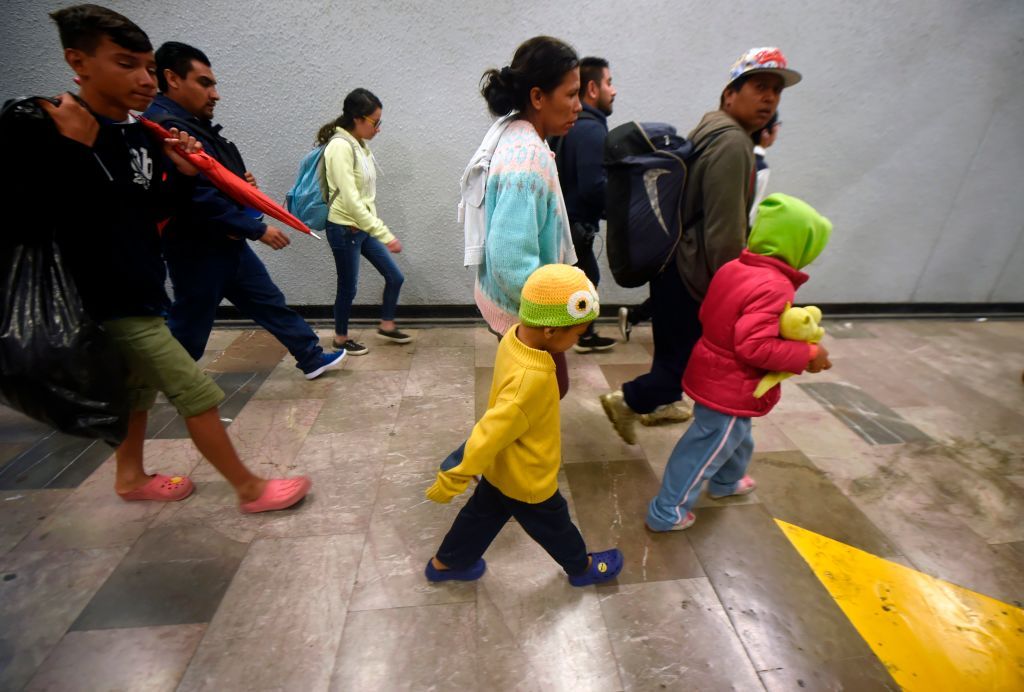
{"points": [[930, 634]]}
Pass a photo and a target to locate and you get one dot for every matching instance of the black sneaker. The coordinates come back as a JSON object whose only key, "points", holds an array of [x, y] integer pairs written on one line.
{"points": [[593, 342], [352, 348], [394, 335]]}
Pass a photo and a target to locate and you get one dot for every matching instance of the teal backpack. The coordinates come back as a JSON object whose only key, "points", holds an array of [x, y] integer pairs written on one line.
{"points": [[308, 197]]}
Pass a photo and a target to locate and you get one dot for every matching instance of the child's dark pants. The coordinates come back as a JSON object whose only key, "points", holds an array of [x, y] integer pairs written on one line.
{"points": [[488, 510]]}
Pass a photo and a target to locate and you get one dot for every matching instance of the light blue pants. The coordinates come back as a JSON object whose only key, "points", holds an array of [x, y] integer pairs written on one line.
{"points": [[716, 447]]}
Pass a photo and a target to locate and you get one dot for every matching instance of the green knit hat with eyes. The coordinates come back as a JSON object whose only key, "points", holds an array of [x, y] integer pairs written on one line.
{"points": [[557, 295]]}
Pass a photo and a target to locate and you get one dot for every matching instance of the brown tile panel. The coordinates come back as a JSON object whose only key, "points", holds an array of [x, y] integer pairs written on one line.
{"points": [[862, 674], [586, 433], [792, 489], [482, 390], [617, 374], [784, 616], [251, 351], [611, 502]]}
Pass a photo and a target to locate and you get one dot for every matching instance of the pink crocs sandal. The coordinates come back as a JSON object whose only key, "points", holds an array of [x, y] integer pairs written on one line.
{"points": [[280, 493], [745, 486], [161, 488]]}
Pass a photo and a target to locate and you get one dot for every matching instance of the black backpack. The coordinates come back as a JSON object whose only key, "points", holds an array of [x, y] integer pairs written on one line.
{"points": [[647, 174]]}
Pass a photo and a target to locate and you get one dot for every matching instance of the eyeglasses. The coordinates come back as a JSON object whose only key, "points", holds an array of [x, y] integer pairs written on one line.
{"points": [[376, 123]]}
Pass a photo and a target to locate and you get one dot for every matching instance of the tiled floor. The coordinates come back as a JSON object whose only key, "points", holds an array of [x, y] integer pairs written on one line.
{"points": [[911, 448]]}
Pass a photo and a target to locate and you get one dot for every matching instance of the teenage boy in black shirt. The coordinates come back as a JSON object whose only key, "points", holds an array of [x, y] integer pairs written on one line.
{"points": [[112, 183]]}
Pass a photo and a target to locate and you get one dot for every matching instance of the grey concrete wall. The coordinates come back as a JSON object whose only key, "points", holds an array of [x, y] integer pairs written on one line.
{"points": [[907, 130]]}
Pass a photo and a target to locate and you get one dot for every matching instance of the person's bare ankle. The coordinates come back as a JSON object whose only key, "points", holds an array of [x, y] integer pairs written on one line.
{"points": [[129, 482], [438, 565], [252, 490]]}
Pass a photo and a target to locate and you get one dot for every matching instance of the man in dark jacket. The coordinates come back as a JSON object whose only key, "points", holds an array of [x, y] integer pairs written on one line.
{"points": [[205, 245], [716, 210], [579, 156]]}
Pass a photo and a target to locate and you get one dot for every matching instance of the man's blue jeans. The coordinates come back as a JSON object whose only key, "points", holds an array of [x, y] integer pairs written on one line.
{"points": [[203, 279]]}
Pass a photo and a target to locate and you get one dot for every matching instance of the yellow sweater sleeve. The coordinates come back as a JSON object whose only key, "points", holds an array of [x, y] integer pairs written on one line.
{"points": [[340, 162], [499, 427]]}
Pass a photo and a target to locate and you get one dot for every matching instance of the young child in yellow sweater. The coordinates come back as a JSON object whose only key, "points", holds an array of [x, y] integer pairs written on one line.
{"points": [[517, 447]]}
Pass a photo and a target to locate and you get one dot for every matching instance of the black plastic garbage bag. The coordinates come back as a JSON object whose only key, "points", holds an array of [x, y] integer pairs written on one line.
{"points": [[56, 365]]}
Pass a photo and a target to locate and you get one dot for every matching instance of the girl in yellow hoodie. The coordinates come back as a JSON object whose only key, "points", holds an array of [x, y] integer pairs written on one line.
{"points": [[353, 227]]}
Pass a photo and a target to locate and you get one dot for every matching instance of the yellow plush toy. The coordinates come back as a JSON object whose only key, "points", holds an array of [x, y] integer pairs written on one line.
{"points": [[795, 324]]}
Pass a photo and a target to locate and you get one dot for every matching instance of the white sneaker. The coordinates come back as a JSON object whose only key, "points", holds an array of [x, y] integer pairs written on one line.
{"points": [[676, 412], [620, 414]]}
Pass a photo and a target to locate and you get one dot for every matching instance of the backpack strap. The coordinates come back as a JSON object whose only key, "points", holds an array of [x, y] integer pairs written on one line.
{"points": [[322, 169], [696, 155]]}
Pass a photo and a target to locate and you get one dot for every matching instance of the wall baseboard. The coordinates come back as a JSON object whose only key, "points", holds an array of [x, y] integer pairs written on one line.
{"points": [[455, 314]]}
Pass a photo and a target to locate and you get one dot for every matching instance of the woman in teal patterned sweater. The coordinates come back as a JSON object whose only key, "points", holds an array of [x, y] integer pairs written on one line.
{"points": [[527, 225]]}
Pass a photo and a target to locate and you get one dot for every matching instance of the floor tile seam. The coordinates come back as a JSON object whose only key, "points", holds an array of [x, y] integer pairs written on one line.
{"points": [[467, 601], [77, 614], [903, 552], [619, 668], [35, 443], [849, 422], [52, 512], [1006, 543], [729, 613], [199, 644], [37, 462], [867, 517], [896, 557], [880, 421], [964, 384], [870, 520]]}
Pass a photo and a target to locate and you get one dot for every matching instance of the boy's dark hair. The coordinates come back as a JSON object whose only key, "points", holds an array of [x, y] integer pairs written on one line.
{"points": [[176, 57], [591, 70], [359, 103], [540, 62], [83, 27], [734, 86]]}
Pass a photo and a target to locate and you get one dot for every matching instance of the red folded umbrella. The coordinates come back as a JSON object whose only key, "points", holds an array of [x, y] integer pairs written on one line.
{"points": [[231, 185]]}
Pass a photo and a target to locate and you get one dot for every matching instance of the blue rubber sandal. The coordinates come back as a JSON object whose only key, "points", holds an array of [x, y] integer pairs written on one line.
{"points": [[604, 566], [471, 573]]}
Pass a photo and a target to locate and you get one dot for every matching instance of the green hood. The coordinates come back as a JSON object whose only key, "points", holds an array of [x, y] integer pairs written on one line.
{"points": [[789, 229]]}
